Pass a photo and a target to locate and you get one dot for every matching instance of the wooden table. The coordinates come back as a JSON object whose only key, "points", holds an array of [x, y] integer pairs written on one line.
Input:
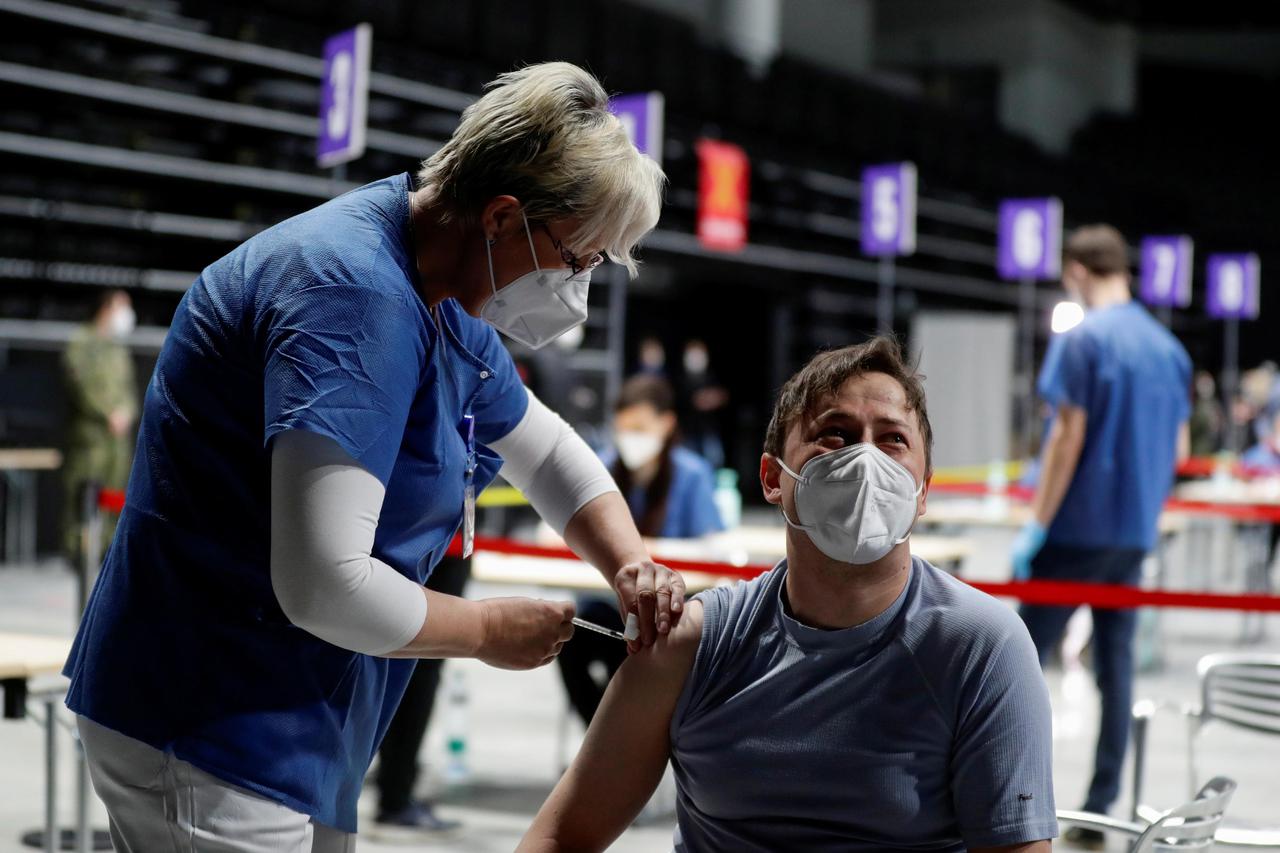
{"points": [[23, 657], [755, 546], [1007, 514], [18, 466]]}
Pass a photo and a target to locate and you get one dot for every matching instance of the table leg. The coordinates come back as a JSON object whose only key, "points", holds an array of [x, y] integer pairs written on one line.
{"points": [[15, 698], [50, 777]]}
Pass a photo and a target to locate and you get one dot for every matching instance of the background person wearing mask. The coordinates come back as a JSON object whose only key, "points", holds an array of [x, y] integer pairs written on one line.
{"points": [[103, 402], [1120, 383], [702, 401], [671, 494], [330, 398]]}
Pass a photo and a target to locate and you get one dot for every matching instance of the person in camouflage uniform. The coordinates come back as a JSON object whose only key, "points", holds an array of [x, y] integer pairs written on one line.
{"points": [[103, 406]]}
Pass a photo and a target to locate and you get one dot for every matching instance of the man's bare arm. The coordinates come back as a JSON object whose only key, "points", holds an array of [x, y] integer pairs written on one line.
{"points": [[625, 751], [1058, 461]]}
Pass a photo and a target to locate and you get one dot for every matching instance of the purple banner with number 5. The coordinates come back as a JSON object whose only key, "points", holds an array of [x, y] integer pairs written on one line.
{"points": [[1030, 239], [1233, 286], [344, 96], [1166, 271], [888, 224]]}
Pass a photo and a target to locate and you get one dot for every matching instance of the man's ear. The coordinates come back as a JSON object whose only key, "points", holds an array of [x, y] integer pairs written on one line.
{"points": [[771, 479], [923, 503]]}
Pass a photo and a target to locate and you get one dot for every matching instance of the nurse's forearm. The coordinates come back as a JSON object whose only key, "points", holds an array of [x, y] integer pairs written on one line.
{"points": [[604, 534], [453, 628], [1058, 462]]}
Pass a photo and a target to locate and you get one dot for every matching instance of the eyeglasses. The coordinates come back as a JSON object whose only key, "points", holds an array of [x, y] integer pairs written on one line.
{"points": [[576, 264]]}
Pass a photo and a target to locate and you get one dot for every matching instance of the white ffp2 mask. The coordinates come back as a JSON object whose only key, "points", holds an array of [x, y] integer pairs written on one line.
{"points": [[540, 305], [855, 503], [637, 449]]}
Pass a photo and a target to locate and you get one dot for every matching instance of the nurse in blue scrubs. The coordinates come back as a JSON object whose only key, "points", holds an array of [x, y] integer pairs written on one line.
{"points": [[331, 397]]}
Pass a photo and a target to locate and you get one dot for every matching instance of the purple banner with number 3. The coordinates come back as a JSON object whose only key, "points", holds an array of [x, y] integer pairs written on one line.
{"points": [[1166, 271], [888, 224], [1030, 239], [1233, 286], [344, 96]]}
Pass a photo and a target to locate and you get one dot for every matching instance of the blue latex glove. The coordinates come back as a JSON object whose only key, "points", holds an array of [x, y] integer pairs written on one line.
{"points": [[1028, 543]]}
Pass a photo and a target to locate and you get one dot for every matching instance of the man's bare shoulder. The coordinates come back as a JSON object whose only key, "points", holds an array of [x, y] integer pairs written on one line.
{"points": [[672, 655]]}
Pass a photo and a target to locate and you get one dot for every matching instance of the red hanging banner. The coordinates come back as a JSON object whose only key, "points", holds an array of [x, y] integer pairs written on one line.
{"points": [[723, 182]]}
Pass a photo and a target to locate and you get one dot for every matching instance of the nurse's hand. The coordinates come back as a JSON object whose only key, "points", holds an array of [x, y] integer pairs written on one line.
{"points": [[523, 633], [654, 593]]}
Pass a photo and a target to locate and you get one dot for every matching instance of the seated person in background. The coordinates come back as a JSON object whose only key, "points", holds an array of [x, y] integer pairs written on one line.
{"points": [[854, 698], [670, 491], [1264, 457]]}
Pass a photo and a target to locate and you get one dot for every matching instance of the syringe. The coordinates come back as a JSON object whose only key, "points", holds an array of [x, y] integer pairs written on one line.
{"points": [[632, 632]]}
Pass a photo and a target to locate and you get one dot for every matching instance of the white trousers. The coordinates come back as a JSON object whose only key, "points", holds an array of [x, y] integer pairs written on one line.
{"points": [[158, 802]]}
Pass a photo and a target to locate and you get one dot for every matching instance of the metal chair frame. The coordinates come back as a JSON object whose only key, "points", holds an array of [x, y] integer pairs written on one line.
{"points": [[1240, 689], [1190, 826]]}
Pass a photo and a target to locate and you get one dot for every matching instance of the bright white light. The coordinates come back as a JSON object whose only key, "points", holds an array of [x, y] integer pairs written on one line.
{"points": [[1066, 315]]}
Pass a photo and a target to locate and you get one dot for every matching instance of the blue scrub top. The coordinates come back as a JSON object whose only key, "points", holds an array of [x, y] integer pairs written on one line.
{"points": [[314, 324], [1261, 456], [1133, 379], [691, 503]]}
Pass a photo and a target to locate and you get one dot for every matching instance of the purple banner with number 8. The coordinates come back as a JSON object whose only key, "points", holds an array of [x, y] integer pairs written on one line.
{"points": [[1233, 286], [1166, 271], [1030, 239]]}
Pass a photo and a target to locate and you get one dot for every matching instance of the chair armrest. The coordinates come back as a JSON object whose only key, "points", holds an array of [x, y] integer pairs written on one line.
{"points": [[1104, 823]]}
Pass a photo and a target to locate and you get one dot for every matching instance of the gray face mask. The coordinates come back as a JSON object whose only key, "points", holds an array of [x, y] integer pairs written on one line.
{"points": [[540, 305], [855, 504]]}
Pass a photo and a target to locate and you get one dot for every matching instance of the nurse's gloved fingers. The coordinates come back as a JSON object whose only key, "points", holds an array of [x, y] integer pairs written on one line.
{"points": [[566, 631]]}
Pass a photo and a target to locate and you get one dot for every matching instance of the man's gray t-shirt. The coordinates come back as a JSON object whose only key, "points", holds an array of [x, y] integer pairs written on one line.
{"points": [[926, 728]]}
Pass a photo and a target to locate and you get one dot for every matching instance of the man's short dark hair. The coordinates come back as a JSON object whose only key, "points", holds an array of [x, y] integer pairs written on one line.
{"points": [[1100, 249], [827, 371]]}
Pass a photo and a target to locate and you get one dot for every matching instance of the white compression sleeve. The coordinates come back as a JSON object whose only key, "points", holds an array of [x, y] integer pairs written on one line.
{"points": [[324, 513], [550, 463]]}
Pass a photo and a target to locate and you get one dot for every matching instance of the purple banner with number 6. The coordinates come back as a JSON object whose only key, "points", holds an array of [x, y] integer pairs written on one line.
{"points": [[344, 96], [1030, 239], [1233, 286], [888, 224], [1166, 271], [642, 116]]}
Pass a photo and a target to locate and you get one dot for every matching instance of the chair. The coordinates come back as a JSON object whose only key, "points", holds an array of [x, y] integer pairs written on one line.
{"points": [[1190, 826], [1239, 689]]}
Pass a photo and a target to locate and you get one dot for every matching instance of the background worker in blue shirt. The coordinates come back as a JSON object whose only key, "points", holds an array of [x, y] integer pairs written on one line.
{"points": [[1120, 386], [330, 398], [670, 491]]}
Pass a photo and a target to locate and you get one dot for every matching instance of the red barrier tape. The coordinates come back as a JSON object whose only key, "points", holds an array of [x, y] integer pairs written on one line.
{"points": [[1033, 592], [1107, 596]]}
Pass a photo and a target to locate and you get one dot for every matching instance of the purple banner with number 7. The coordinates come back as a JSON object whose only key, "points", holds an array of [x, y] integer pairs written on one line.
{"points": [[1166, 271]]}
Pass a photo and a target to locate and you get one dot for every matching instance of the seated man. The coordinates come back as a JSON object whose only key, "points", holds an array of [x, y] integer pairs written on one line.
{"points": [[854, 697]]}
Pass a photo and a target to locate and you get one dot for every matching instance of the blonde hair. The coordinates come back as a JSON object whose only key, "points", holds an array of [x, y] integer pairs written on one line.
{"points": [[544, 134]]}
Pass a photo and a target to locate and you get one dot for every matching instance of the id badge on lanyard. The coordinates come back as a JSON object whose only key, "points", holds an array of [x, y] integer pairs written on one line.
{"points": [[469, 497]]}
